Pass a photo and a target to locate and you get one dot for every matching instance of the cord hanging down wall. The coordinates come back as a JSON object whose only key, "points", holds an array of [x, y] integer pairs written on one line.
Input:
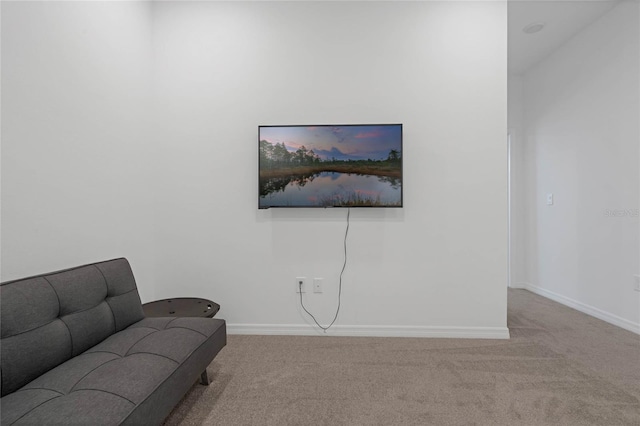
{"points": [[344, 265]]}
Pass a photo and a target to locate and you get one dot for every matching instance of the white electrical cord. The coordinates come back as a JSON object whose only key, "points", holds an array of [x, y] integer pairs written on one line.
{"points": [[344, 265]]}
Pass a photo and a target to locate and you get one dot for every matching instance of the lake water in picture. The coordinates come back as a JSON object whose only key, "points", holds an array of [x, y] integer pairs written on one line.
{"points": [[330, 189]]}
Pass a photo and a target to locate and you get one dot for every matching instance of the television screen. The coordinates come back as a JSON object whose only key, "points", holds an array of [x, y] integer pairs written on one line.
{"points": [[354, 165]]}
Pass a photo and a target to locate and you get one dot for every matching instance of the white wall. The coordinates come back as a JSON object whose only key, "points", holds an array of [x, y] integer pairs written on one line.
{"points": [[77, 160], [437, 267], [516, 129], [581, 114], [438, 68]]}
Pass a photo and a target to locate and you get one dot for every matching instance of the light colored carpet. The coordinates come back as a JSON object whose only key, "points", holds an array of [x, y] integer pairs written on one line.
{"points": [[560, 367]]}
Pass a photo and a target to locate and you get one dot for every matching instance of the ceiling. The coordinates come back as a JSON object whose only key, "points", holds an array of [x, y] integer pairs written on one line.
{"points": [[563, 20]]}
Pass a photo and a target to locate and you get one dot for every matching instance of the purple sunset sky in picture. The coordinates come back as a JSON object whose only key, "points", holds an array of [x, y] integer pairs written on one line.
{"points": [[355, 142]]}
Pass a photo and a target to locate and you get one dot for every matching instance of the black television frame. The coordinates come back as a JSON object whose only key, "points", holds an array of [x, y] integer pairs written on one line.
{"points": [[393, 175]]}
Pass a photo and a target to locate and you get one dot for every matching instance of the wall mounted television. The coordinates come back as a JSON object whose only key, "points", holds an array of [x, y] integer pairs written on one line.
{"points": [[348, 165]]}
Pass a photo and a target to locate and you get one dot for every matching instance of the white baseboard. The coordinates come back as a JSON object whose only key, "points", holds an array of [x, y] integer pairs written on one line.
{"points": [[372, 331], [520, 285], [584, 308]]}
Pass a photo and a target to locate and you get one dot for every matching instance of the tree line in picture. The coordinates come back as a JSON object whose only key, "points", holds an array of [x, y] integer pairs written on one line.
{"points": [[277, 155]]}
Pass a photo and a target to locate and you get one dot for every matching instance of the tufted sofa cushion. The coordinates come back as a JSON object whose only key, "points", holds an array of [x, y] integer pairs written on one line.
{"points": [[133, 377], [48, 319]]}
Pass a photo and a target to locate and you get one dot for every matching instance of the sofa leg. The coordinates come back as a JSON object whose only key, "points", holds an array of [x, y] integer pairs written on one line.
{"points": [[204, 378]]}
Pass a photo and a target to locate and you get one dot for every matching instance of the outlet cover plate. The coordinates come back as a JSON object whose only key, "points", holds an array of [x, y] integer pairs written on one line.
{"points": [[304, 284]]}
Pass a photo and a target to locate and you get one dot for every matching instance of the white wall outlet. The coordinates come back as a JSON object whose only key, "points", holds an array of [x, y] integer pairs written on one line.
{"points": [[549, 199], [317, 285], [636, 284], [301, 288]]}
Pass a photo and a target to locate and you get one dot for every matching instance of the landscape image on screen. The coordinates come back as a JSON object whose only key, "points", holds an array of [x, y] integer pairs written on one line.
{"points": [[330, 166]]}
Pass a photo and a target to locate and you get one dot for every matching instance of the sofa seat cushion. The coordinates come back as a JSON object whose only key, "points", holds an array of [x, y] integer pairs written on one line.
{"points": [[108, 381]]}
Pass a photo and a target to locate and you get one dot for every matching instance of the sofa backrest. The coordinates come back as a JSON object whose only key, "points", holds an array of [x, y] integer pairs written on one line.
{"points": [[47, 319]]}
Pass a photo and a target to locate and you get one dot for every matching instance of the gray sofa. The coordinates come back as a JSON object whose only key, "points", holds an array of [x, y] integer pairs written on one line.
{"points": [[77, 349]]}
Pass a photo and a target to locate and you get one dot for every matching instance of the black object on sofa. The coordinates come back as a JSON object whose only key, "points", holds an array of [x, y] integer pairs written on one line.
{"points": [[77, 349]]}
